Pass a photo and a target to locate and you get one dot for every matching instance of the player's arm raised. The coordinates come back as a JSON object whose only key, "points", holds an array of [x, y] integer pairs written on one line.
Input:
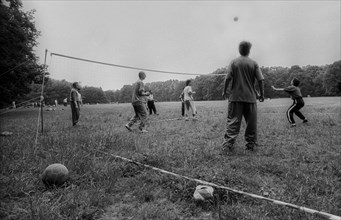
{"points": [[277, 89]]}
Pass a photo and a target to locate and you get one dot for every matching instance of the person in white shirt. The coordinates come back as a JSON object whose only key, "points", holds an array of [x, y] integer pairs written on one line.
{"points": [[189, 101], [65, 102]]}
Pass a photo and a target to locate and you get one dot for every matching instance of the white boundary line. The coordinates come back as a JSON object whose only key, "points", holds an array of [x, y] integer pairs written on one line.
{"points": [[300, 208]]}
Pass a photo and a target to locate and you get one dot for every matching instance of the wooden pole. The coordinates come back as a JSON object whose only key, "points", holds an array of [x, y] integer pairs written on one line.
{"points": [[42, 93]]}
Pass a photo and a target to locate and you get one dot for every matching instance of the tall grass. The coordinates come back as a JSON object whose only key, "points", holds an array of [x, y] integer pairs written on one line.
{"points": [[298, 165]]}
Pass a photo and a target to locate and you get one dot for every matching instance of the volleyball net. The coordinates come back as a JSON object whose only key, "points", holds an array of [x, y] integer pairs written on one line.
{"points": [[110, 75]]}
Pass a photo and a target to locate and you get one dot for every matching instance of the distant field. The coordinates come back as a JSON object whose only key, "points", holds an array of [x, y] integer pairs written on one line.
{"points": [[298, 165]]}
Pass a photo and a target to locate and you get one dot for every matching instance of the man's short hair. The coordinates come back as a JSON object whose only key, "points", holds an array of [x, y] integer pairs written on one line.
{"points": [[188, 82], [142, 74], [75, 85], [295, 82], [244, 48]]}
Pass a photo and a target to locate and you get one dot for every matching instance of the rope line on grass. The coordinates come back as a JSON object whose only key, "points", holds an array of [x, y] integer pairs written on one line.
{"points": [[134, 68], [12, 110], [37, 130], [22, 103], [300, 208]]}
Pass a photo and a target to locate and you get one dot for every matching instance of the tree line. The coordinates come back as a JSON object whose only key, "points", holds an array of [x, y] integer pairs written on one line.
{"points": [[315, 81], [21, 75]]}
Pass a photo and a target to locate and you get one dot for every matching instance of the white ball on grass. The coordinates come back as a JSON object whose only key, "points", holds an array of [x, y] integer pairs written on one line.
{"points": [[55, 175], [203, 193]]}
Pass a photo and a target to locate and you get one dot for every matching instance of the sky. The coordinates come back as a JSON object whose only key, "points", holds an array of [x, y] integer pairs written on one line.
{"points": [[180, 36]]}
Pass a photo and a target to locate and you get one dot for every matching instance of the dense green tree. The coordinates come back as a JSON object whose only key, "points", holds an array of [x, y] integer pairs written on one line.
{"points": [[117, 95], [125, 93], [295, 70], [54, 90], [198, 86], [332, 78], [218, 84], [318, 85], [93, 95], [57, 90], [110, 96], [18, 63], [268, 82], [308, 84], [281, 78], [179, 86]]}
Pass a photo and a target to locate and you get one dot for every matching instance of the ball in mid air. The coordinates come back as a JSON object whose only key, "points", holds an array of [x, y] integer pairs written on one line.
{"points": [[55, 175], [235, 19]]}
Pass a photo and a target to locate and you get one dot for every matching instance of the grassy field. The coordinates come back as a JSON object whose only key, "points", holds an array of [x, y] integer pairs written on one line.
{"points": [[300, 165]]}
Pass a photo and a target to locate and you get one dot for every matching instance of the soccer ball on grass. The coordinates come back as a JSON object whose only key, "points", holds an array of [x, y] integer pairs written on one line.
{"points": [[55, 175]]}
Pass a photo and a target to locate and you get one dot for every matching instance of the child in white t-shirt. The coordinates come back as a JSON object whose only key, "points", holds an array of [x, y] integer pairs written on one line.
{"points": [[189, 101]]}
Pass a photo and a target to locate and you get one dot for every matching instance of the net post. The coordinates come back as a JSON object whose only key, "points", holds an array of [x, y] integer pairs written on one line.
{"points": [[41, 116], [42, 97]]}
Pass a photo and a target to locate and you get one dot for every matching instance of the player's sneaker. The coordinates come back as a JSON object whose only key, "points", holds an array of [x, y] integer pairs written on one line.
{"points": [[305, 121], [128, 127], [293, 125], [250, 147], [228, 149]]}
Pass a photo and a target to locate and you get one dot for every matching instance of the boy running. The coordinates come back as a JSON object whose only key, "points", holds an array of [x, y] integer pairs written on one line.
{"points": [[138, 102], [295, 93]]}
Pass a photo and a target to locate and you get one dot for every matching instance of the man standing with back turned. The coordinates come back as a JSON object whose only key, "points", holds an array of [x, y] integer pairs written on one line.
{"points": [[243, 72], [75, 106]]}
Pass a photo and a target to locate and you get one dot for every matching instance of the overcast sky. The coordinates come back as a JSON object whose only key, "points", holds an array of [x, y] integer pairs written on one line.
{"points": [[181, 36]]}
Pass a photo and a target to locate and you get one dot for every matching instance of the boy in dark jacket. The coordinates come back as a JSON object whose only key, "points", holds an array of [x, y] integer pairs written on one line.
{"points": [[295, 93]]}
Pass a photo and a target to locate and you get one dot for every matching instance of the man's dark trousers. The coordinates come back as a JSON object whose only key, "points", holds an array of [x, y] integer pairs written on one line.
{"points": [[75, 113], [236, 110]]}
